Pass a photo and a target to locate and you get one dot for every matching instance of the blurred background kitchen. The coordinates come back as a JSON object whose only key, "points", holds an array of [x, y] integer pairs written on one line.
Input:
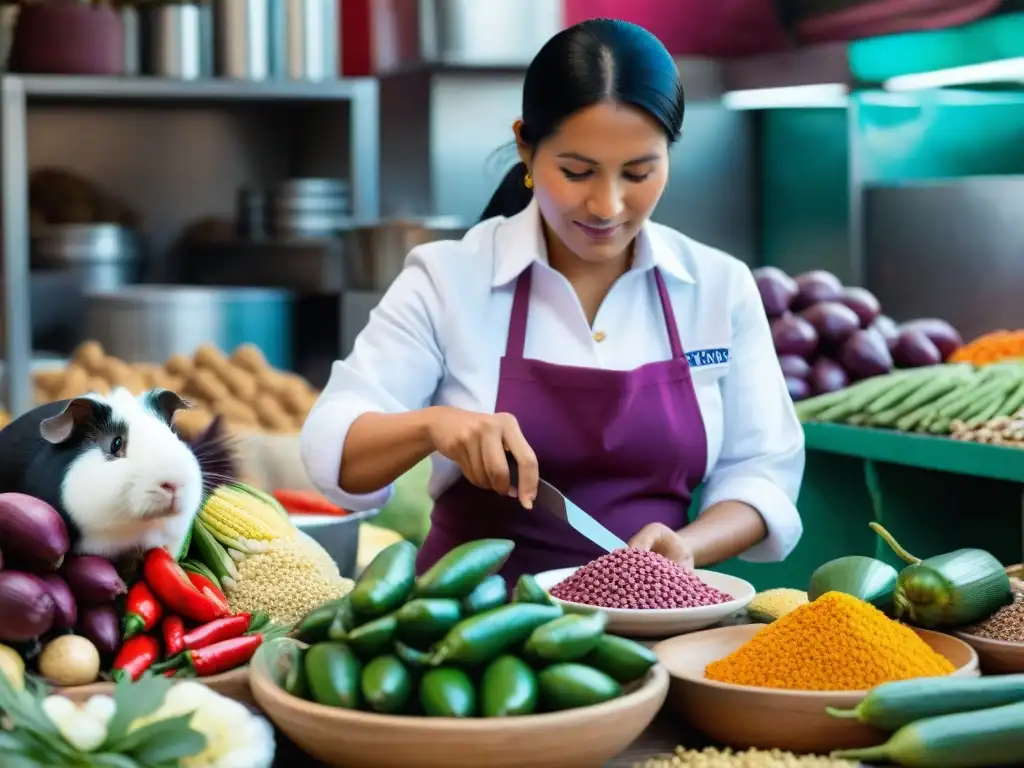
{"points": [[182, 178]]}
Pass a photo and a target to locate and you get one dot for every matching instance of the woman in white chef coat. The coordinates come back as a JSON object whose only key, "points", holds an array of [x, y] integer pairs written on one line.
{"points": [[617, 359]]}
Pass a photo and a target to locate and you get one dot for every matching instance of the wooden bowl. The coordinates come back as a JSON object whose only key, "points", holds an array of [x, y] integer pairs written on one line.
{"points": [[580, 738], [667, 621], [745, 716], [996, 657], [233, 684]]}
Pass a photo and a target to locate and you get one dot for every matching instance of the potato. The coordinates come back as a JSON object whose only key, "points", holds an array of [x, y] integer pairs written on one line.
{"points": [[249, 357], [179, 365], [70, 660], [13, 667], [89, 355], [208, 356]]}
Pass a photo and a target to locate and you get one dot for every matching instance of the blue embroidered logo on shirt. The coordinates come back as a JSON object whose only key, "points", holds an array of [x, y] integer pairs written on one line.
{"points": [[702, 357]]}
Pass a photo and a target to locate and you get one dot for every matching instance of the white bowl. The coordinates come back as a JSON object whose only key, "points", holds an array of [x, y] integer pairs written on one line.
{"points": [[662, 622]]}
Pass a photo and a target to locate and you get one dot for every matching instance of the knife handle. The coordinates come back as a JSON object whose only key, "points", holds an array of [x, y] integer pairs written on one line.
{"points": [[513, 469]]}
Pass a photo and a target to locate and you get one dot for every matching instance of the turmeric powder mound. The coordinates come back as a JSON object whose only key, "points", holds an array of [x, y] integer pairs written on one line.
{"points": [[836, 643]]}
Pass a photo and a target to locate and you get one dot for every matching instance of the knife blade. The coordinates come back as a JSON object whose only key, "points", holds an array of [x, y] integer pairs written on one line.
{"points": [[554, 502]]}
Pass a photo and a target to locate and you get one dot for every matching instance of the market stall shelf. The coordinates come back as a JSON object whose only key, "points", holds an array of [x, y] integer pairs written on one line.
{"points": [[233, 684], [576, 738], [663, 622], [736, 714]]}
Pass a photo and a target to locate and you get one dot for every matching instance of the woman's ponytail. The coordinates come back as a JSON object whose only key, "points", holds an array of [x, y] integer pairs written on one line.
{"points": [[512, 195]]}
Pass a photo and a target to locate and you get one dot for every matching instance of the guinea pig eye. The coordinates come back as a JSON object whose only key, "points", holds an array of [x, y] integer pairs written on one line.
{"points": [[117, 446]]}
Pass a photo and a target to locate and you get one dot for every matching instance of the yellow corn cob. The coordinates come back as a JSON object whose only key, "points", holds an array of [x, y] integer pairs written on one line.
{"points": [[256, 507], [233, 521]]}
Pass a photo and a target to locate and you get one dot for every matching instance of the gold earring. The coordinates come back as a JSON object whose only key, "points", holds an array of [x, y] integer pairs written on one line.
{"points": [[528, 181]]}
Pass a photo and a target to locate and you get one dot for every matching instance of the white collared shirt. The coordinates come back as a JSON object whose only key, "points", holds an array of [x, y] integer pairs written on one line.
{"points": [[438, 335]]}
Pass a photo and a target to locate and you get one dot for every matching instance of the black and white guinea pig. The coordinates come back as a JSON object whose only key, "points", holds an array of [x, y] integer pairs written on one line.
{"points": [[111, 466]]}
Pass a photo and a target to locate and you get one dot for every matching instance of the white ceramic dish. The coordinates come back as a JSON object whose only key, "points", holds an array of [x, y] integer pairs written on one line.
{"points": [[663, 622]]}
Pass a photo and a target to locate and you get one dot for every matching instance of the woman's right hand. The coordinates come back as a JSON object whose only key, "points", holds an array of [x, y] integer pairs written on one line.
{"points": [[477, 443]]}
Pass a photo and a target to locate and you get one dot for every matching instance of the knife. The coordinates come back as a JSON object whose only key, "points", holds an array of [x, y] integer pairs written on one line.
{"points": [[554, 502]]}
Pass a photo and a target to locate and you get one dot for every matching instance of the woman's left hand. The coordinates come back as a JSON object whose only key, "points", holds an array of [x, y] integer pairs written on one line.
{"points": [[662, 540]]}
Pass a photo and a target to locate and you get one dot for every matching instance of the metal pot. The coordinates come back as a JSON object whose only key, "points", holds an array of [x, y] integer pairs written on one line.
{"points": [[105, 256], [375, 254], [150, 323]]}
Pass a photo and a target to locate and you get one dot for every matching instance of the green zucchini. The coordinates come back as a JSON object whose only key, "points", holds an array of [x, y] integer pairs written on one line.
{"points": [[979, 739], [447, 692], [527, 590], [387, 581], [489, 593], [386, 685], [482, 638], [620, 658], [412, 657], [344, 621], [312, 628], [374, 637], [567, 638], [424, 621], [568, 686], [508, 687], [460, 571], [332, 673], [893, 705]]}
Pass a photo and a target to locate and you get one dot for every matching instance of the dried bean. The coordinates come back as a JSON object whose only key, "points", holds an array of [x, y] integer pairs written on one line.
{"points": [[637, 579]]}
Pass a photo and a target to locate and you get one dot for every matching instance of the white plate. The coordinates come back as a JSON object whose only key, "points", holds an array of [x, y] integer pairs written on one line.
{"points": [[663, 622]]}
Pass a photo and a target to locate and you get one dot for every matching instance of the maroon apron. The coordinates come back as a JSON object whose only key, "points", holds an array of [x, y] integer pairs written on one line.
{"points": [[628, 447]]}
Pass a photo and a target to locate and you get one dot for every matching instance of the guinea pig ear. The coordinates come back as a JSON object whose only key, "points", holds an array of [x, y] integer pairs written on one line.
{"points": [[76, 414], [166, 403]]}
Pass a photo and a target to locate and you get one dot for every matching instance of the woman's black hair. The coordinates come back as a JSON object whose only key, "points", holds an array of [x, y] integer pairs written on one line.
{"points": [[590, 62]]}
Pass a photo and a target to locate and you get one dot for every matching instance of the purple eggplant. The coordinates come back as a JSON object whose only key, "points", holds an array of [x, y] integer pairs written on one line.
{"points": [[26, 608], [93, 580], [99, 624], [65, 613], [32, 528]]}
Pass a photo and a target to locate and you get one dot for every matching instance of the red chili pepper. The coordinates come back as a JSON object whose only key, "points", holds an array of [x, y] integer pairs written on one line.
{"points": [[179, 592], [223, 656], [211, 590], [306, 502], [217, 630], [173, 630], [136, 656], [142, 610]]}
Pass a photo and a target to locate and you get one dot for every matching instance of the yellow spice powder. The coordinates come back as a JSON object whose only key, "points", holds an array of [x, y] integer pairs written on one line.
{"points": [[836, 643]]}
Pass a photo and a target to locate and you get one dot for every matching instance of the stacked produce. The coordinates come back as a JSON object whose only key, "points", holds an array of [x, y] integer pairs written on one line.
{"points": [[773, 604], [828, 335], [242, 388], [962, 722], [937, 400], [448, 644], [46, 593], [636, 579], [245, 540], [710, 757], [994, 347], [948, 590], [836, 643], [179, 623]]}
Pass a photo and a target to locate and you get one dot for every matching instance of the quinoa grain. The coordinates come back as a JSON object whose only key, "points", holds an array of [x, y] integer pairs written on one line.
{"points": [[750, 758]]}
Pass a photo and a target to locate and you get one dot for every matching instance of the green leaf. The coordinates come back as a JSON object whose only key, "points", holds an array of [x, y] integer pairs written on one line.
{"points": [[138, 738], [170, 746], [25, 708], [11, 742], [22, 761], [133, 701], [112, 760]]}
